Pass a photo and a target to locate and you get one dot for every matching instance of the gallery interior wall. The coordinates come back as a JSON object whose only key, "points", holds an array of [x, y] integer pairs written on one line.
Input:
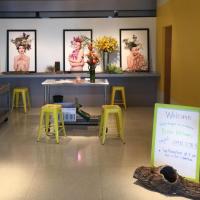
{"points": [[184, 17], [50, 35]]}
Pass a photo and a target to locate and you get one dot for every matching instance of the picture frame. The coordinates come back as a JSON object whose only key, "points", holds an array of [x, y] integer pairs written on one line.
{"points": [[75, 61], [134, 50], [21, 50]]}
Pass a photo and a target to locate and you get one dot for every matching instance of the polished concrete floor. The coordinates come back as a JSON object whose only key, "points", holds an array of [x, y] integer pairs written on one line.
{"points": [[79, 168]]}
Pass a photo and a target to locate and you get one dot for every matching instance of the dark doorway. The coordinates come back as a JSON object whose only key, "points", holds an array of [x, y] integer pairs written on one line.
{"points": [[167, 62]]}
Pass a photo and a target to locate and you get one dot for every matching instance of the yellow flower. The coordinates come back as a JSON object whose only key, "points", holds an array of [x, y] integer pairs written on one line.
{"points": [[105, 43]]}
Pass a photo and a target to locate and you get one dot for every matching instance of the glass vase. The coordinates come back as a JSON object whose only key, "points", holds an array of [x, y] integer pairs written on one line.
{"points": [[92, 74], [105, 60]]}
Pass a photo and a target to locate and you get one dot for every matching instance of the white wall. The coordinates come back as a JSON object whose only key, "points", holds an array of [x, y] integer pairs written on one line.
{"points": [[50, 35]]}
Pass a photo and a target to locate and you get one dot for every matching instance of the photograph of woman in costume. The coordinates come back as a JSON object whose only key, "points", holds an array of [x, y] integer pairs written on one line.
{"points": [[134, 50], [21, 55], [76, 58], [75, 43], [21, 61], [135, 60]]}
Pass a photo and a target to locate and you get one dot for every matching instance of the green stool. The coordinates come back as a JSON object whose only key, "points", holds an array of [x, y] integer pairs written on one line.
{"points": [[24, 92], [122, 90], [54, 111], [106, 111]]}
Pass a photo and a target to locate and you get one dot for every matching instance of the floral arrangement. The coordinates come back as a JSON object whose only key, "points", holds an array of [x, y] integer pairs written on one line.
{"points": [[106, 44], [92, 57], [23, 40]]}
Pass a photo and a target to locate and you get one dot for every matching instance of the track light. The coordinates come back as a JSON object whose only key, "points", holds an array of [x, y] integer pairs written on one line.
{"points": [[115, 13]]}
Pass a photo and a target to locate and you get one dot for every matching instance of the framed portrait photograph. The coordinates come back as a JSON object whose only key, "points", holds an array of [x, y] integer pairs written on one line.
{"points": [[134, 50], [75, 48], [21, 51]]}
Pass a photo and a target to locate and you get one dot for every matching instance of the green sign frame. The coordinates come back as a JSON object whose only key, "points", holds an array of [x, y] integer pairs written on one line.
{"points": [[154, 136]]}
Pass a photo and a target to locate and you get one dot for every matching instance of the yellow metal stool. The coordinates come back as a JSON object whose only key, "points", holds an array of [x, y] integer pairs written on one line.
{"points": [[25, 97], [106, 111], [120, 89], [54, 111]]}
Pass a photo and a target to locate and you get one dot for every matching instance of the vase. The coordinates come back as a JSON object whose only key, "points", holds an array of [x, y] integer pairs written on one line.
{"points": [[92, 74], [105, 60]]}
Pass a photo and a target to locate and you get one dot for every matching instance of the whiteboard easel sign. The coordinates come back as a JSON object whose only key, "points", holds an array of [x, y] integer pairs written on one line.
{"points": [[175, 139]]}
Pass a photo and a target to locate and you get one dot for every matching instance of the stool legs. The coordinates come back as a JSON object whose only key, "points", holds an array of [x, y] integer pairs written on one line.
{"points": [[62, 123], [124, 98], [47, 123], [104, 120], [101, 125], [28, 99], [17, 100], [55, 120], [103, 136], [40, 126], [55, 114], [13, 101], [120, 125], [24, 100], [112, 97]]}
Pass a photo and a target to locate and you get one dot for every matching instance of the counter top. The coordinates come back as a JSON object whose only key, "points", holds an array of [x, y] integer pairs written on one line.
{"points": [[141, 88], [73, 75]]}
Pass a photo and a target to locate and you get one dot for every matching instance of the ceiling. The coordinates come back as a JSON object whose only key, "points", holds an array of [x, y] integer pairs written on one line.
{"points": [[77, 8]]}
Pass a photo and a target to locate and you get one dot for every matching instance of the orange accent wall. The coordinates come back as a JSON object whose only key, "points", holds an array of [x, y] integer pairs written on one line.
{"points": [[184, 16]]}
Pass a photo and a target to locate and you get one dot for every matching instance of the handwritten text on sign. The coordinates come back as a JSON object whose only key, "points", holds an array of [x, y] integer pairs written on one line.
{"points": [[176, 140]]}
